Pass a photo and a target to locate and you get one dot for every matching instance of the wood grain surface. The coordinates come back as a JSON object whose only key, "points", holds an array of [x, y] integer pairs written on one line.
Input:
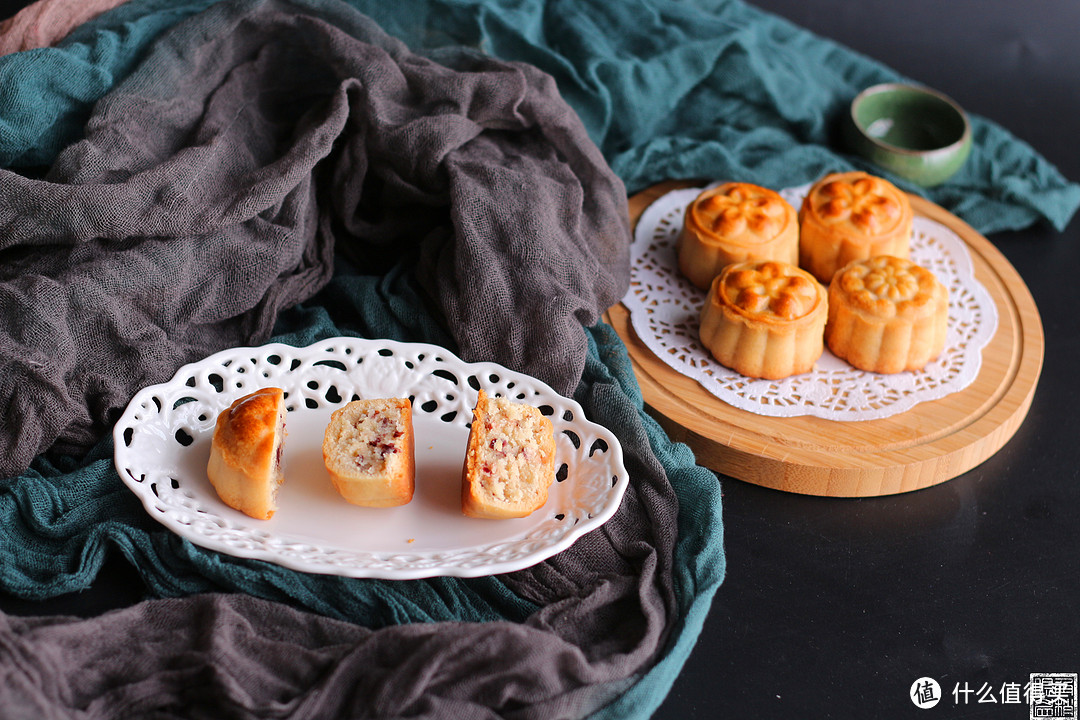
{"points": [[929, 444]]}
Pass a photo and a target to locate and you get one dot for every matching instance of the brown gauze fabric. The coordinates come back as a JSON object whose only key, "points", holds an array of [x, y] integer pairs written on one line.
{"points": [[214, 184]]}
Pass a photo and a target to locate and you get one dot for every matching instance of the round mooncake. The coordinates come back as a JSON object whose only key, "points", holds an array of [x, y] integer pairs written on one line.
{"points": [[886, 315], [765, 319], [735, 222], [852, 216]]}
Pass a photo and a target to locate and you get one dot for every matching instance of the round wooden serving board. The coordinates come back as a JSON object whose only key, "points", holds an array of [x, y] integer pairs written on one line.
{"points": [[933, 442]]}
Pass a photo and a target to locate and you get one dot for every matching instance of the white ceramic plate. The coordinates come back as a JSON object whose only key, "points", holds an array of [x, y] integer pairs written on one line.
{"points": [[163, 439]]}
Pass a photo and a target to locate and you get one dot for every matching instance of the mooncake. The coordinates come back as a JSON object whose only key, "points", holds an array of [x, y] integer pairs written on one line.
{"points": [[852, 216], [886, 315], [245, 466], [369, 450], [765, 319], [509, 460], [735, 222]]}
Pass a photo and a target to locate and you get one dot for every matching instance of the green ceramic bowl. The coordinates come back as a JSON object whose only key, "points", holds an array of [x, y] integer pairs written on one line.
{"points": [[912, 131]]}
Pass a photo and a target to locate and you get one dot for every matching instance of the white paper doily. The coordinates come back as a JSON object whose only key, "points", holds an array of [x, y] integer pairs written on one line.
{"points": [[665, 308], [162, 444]]}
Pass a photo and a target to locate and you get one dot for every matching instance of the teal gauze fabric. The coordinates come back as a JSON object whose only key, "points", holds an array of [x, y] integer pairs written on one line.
{"points": [[667, 90]]}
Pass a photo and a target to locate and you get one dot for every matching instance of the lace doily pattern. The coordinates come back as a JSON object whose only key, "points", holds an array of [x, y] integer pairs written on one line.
{"points": [[163, 437], [665, 309]]}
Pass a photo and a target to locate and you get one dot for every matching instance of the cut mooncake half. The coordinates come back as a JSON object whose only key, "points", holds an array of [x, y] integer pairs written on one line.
{"points": [[245, 464], [369, 452], [509, 461]]}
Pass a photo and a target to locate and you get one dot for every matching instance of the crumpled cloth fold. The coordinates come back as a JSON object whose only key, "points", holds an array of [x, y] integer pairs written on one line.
{"points": [[667, 90], [214, 184], [214, 656]]}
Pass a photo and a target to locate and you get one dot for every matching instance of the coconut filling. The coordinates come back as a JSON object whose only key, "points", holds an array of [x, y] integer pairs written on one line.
{"points": [[511, 460], [372, 444]]}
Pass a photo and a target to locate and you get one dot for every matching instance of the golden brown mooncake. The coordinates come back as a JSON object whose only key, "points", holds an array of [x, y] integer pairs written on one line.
{"points": [[765, 319], [886, 315], [245, 453], [852, 216], [509, 460], [735, 222]]}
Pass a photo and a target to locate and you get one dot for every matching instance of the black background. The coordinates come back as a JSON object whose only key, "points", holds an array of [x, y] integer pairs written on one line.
{"points": [[832, 608]]}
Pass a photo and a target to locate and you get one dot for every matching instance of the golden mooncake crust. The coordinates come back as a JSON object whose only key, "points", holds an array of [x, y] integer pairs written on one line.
{"points": [[735, 222], [245, 463], [852, 216], [765, 319], [887, 315]]}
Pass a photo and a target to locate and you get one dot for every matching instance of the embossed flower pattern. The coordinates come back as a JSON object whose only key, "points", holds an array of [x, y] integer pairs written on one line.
{"points": [[891, 286], [863, 202], [737, 210], [771, 287]]}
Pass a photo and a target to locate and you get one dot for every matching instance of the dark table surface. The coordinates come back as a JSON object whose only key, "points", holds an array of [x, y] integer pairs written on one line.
{"points": [[832, 608]]}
